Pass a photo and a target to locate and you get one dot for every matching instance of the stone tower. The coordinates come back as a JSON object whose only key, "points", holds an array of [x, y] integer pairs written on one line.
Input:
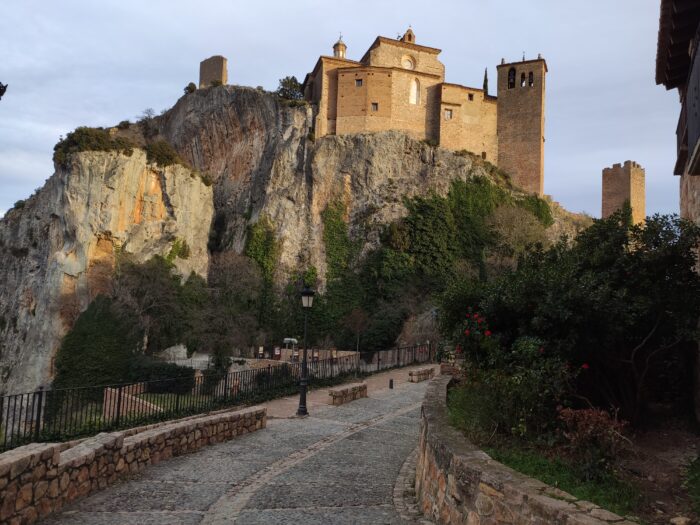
{"points": [[624, 183], [520, 122], [339, 48], [213, 69]]}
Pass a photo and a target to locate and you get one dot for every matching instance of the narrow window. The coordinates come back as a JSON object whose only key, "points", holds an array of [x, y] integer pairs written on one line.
{"points": [[358, 82], [531, 79], [414, 92], [522, 80], [448, 114], [375, 106], [471, 97], [483, 155], [511, 78]]}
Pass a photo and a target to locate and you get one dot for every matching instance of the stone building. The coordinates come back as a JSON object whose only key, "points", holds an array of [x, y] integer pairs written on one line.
{"points": [[678, 67], [400, 85], [213, 70], [624, 183]]}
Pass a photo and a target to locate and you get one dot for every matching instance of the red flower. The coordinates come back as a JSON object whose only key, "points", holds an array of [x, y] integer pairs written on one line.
{"points": [[479, 321], [466, 332], [585, 366], [459, 349], [487, 333], [541, 350]]}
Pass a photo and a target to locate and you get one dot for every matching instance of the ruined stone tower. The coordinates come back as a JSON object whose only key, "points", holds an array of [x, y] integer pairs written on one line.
{"points": [[624, 183], [520, 124], [213, 69]]}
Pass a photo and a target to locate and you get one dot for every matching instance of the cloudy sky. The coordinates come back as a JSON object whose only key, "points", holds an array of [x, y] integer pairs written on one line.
{"points": [[70, 63]]}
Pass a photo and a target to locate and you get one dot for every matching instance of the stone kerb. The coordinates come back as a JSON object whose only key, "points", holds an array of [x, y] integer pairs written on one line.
{"points": [[40, 478], [458, 483], [422, 374], [347, 393]]}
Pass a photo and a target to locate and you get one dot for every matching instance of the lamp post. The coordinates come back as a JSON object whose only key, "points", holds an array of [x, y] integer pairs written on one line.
{"points": [[307, 301]]}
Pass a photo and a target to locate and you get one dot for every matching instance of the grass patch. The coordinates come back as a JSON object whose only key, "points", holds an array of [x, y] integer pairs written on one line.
{"points": [[693, 483], [607, 491], [168, 401]]}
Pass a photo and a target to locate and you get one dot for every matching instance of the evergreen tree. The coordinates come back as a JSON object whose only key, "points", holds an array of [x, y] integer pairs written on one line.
{"points": [[486, 81]]}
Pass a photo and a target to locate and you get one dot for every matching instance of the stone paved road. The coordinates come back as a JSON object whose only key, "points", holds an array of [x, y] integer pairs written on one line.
{"points": [[341, 465]]}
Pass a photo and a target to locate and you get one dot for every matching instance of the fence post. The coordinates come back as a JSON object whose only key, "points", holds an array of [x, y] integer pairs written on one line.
{"points": [[37, 421], [119, 405], [226, 387]]}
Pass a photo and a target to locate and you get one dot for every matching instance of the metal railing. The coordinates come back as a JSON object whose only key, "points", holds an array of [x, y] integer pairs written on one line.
{"points": [[63, 414]]}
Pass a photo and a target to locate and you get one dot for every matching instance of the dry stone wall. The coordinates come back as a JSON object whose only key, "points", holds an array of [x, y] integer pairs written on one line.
{"points": [[457, 483], [40, 478]]}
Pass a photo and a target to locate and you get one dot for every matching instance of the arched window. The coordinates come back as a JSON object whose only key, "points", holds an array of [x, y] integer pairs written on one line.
{"points": [[414, 93], [511, 78], [531, 79], [522, 80]]}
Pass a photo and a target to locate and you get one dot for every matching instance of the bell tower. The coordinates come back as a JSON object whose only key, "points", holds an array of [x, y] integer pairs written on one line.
{"points": [[520, 122], [339, 48]]}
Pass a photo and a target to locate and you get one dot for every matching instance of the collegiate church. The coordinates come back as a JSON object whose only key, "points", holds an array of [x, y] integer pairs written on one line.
{"points": [[400, 85]]}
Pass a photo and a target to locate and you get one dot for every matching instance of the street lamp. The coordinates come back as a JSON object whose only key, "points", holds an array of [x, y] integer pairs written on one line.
{"points": [[307, 301]]}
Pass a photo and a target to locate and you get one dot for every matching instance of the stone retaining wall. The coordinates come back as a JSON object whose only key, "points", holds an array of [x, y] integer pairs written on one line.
{"points": [[38, 479], [458, 483]]}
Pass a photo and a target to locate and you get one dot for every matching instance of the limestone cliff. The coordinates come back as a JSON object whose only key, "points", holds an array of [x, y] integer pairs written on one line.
{"points": [[57, 251], [265, 163]]}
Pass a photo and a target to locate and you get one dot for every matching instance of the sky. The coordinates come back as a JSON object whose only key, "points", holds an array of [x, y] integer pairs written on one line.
{"points": [[70, 63]]}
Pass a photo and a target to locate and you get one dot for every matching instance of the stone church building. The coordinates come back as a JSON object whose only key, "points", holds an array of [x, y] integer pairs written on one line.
{"points": [[400, 85]]}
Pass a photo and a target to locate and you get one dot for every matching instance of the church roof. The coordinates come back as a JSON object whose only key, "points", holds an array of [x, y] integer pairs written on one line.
{"points": [[400, 43]]}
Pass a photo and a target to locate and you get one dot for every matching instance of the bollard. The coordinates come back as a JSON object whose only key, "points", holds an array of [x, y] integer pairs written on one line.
{"points": [[391, 383]]}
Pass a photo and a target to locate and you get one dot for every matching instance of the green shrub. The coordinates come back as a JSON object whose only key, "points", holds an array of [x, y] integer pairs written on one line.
{"points": [[99, 349], [190, 88], [311, 136], [539, 208], [19, 204], [89, 139], [290, 89], [216, 83], [179, 249], [124, 124], [161, 377], [162, 154]]}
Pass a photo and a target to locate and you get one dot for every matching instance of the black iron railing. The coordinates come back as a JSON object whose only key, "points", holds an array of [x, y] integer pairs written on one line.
{"points": [[62, 414]]}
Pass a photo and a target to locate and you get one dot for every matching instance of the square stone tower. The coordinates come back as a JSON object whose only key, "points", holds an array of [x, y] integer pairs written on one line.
{"points": [[624, 183], [213, 69], [520, 122]]}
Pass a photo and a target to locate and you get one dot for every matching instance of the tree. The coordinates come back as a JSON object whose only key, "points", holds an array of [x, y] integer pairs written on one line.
{"points": [[290, 89], [3, 89], [486, 81], [623, 300], [190, 88], [356, 321]]}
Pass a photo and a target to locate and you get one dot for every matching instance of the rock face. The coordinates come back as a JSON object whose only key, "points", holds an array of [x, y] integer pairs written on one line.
{"points": [[266, 163], [57, 252]]}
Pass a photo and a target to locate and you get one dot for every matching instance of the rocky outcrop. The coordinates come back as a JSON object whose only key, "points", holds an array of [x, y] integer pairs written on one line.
{"points": [[57, 252]]}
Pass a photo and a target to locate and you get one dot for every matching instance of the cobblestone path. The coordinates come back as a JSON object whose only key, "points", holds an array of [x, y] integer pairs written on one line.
{"points": [[352, 464]]}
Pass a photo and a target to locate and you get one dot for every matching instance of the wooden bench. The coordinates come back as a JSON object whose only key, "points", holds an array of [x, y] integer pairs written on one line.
{"points": [[346, 393], [416, 376]]}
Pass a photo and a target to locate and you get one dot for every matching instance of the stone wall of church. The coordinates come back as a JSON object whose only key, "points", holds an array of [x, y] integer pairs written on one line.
{"points": [[468, 121]]}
